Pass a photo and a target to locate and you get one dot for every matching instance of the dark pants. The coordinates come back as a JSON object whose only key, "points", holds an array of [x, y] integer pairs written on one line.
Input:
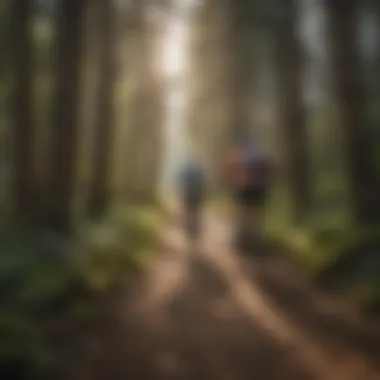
{"points": [[192, 204], [250, 196], [192, 201], [249, 202]]}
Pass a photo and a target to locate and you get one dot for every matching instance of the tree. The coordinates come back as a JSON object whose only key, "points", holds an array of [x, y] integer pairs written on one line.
{"points": [[289, 68], [65, 124], [241, 46], [99, 196], [351, 106], [23, 172], [146, 136], [209, 127], [4, 37]]}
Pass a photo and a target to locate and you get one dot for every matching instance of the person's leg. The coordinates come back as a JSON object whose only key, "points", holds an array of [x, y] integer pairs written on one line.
{"points": [[252, 217], [195, 219], [249, 230], [261, 203], [242, 221], [236, 217], [257, 217], [199, 216], [187, 215], [194, 222]]}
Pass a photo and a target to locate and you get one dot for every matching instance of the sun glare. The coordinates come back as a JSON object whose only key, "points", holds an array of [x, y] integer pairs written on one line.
{"points": [[174, 69]]}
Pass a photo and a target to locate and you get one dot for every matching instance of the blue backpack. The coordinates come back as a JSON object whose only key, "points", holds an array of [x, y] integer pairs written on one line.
{"points": [[192, 180]]}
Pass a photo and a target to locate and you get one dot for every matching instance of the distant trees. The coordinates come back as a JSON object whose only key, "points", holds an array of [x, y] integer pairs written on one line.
{"points": [[65, 123], [151, 116], [51, 195], [23, 171], [242, 28], [224, 58], [292, 114], [4, 34], [146, 129], [104, 121], [209, 85], [351, 101]]}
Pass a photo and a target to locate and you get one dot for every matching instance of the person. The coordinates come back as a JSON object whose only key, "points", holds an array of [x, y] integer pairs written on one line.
{"points": [[248, 175], [192, 187]]}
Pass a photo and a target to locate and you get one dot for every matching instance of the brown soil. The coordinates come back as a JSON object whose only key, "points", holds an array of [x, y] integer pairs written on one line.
{"points": [[217, 315]]}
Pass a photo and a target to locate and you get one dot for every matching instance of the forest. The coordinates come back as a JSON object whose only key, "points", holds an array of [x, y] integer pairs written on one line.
{"points": [[101, 101]]}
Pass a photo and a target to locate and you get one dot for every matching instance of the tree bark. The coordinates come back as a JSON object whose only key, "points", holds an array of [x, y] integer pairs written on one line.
{"points": [[242, 34], [292, 113], [23, 171], [65, 125], [99, 189], [351, 106], [146, 129], [209, 128]]}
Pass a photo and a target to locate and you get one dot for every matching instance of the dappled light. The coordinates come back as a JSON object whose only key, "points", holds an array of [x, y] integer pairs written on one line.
{"points": [[190, 189]]}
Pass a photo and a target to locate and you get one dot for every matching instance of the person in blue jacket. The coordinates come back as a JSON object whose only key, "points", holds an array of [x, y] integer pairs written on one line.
{"points": [[192, 193]]}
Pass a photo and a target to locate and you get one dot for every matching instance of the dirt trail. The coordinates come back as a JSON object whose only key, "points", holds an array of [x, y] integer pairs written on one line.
{"points": [[216, 315]]}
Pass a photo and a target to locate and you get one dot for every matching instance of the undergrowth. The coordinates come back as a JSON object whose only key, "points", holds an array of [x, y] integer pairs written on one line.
{"points": [[43, 276], [344, 259]]}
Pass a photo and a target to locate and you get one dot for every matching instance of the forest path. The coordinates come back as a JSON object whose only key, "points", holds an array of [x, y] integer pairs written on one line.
{"points": [[217, 315]]}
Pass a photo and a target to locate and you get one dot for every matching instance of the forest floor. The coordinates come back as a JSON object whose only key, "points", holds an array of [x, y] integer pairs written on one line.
{"points": [[220, 315]]}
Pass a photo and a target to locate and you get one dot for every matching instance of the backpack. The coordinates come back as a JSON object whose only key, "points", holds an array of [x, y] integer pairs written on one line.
{"points": [[255, 169], [192, 181]]}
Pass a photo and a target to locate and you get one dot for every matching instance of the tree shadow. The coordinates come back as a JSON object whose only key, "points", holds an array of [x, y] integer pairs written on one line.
{"points": [[205, 336], [312, 309], [218, 340]]}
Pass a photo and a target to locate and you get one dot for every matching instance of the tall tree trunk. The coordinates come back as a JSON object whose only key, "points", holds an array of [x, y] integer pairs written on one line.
{"points": [[65, 125], [208, 127], [242, 34], [23, 172], [351, 103], [146, 128], [99, 195], [292, 113], [133, 183]]}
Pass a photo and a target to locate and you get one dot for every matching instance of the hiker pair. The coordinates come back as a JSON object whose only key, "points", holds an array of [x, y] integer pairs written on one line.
{"points": [[246, 172]]}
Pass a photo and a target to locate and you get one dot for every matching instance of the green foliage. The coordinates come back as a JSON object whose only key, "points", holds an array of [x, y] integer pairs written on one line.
{"points": [[367, 295], [22, 348], [339, 257], [4, 35], [313, 248], [328, 247], [115, 245], [32, 277], [43, 276]]}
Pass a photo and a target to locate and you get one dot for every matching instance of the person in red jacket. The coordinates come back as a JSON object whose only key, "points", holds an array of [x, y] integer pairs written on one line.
{"points": [[248, 172]]}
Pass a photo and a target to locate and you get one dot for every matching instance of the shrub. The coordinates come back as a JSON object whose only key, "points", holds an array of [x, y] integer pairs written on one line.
{"points": [[43, 276]]}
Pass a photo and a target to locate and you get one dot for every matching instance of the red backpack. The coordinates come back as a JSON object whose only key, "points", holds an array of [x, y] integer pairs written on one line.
{"points": [[248, 169]]}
